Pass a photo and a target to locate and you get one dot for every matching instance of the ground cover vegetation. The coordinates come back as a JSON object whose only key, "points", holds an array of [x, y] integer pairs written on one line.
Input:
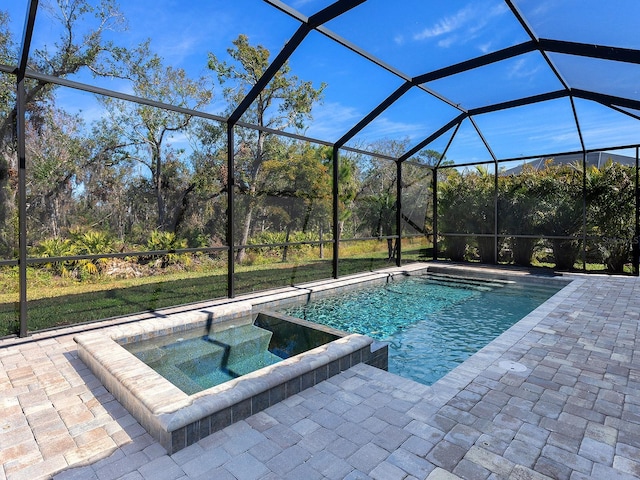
{"points": [[127, 209]]}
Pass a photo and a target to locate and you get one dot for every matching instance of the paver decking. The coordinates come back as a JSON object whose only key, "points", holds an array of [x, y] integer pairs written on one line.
{"points": [[557, 396]]}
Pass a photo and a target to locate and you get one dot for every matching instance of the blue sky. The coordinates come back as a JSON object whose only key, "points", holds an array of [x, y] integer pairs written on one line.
{"points": [[415, 37]]}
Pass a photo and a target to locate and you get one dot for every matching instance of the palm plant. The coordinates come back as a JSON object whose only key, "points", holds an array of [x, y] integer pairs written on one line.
{"points": [[55, 247], [610, 212], [91, 242], [169, 242]]}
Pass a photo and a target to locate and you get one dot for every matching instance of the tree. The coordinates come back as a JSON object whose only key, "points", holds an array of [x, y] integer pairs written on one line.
{"points": [[377, 197], [611, 211], [205, 219], [466, 206], [560, 206], [285, 102], [417, 188], [8, 163], [519, 212], [298, 188], [81, 26], [7, 57], [56, 154], [453, 195], [145, 132]]}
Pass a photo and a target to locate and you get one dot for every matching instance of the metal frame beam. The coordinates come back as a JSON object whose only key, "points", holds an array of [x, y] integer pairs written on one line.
{"points": [[476, 62], [398, 249], [269, 73], [617, 54], [22, 161], [432, 137], [607, 100], [335, 189], [332, 11], [519, 102], [401, 90]]}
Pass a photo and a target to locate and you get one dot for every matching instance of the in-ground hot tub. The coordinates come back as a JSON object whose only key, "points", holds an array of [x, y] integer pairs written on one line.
{"points": [[179, 414]]}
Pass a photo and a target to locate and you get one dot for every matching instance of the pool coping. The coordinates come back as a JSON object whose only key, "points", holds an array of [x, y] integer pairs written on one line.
{"points": [[487, 358], [177, 420]]}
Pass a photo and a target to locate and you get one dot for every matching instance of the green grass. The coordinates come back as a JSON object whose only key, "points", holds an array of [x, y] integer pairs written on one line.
{"points": [[55, 302]]}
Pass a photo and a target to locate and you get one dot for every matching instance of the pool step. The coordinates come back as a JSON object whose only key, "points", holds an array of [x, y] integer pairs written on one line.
{"points": [[242, 342], [475, 283], [206, 360], [223, 349], [255, 362]]}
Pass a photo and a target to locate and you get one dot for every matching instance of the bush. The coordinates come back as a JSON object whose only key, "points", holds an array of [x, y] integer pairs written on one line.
{"points": [[297, 238], [466, 205], [160, 241], [91, 242], [55, 247], [611, 212]]}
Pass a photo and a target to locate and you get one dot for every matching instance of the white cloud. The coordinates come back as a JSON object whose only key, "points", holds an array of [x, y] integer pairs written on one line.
{"points": [[463, 26], [301, 3], [384, 127], [447, 24], [332, 120], [521, 68], [485, 47]]}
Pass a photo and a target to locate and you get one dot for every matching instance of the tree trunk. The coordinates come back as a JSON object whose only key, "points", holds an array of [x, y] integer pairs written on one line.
{"points": [[285, 249], [8, 192], [390, 249], [252, 190], [181, 208], [245, 234], [157, 183]]}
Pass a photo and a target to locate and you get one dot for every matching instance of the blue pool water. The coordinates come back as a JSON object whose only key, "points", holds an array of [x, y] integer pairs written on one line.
{"points": [[431, 325], [197, 359]]}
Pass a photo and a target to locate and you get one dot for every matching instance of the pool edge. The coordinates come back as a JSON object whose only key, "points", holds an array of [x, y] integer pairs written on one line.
{"points": [[176, 419]]}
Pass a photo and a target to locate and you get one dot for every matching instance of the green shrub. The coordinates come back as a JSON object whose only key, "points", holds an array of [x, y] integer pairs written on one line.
{"points": [[55, 247], [160, 241], [611, 212], [91, 242]]}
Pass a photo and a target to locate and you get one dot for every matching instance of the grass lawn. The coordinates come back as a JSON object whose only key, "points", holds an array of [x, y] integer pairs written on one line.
{"points": [[54, 303]]}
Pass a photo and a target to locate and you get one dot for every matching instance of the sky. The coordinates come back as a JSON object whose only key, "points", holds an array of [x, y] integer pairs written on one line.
{"points": [[413, 37]]}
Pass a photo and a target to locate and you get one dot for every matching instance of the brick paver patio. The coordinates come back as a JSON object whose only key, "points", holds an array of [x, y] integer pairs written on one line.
{"points": [[556, 396]]}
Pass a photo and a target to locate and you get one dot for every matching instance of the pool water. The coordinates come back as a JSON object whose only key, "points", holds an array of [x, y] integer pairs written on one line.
{"points": [[197, 359], [432, 325], [194, 361]]}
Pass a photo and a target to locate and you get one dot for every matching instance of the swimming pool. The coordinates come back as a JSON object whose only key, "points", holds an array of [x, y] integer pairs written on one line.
{"points": [[432, 323], [178, 419]]}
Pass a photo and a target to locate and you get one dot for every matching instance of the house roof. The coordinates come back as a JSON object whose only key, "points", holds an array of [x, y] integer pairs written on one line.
{"points": [[596, 159]]}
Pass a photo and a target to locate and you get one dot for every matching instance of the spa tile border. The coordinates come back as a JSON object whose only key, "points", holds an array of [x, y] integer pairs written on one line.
{"points": [[199, 429]]}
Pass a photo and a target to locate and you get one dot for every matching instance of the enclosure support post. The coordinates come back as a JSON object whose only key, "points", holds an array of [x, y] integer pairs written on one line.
{"points": [[230, 212], [636, 238], [21, 106], [399, 213], [336, 206], [584, 211], [495, 213], [22, 207], [434, 193]]}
